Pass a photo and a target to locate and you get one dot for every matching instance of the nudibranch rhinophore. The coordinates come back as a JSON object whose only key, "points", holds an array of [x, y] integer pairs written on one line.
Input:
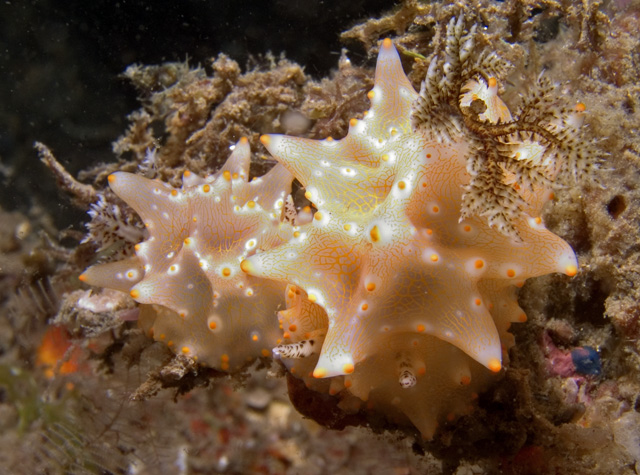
{"points": [[187, 273], [394, 294]]}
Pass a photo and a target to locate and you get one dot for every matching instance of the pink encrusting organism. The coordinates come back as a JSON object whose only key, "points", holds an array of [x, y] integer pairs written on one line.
{"points": [[401, 290]]}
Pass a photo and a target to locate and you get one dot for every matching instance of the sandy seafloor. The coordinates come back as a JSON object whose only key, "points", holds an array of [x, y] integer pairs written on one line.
{"points": [[60, 69]]}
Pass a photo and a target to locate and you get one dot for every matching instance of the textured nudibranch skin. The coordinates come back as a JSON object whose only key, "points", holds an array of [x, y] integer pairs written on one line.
{"points": [[187, 274], [417, 302], [385, 297]]}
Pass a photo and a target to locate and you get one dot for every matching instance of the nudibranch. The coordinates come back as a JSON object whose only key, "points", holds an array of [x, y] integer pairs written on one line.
{"points": [[400, 292], [187, 273], [394, 299]]}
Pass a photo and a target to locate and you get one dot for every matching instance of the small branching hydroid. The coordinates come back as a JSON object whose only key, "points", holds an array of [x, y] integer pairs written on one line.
{"points": [[511, 159]]}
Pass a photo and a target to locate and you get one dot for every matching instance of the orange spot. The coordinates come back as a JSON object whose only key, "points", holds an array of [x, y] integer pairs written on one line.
{"points": [[185, 349], [224, 358], [162, 336], [224, 366], [130, 275], [348, 368], [511, 273], [174, 193], [245, 266], [375, 234], [235, 176], [135, 293], [371, 94], [479, 264], [493, 82], [296, 234], [571, 270], [318, 216], [364, 306], [265, 139], [111, 178], [435, 209], [522, 318], [420, 328], [329, 139], [429, 232], [319, 373], [385, 157], [428, 155], [465, 380], [347, 227], [292, 327], [213, 325], [478, 302], [312, 298], [422, 371], [386, 43], [226, 272], [551, 195], [227, 175], [538, 220], [580, 107], [467, 228], [251, 204], [244, 140], [494, 365], [347, 383], [254, 337], [137, 247], [353, 122], [371, 286], [170, 343], [434, 257], [53, 348], [187, 241], [402, 185], [82, 277], [264, 352], [182, 314], [206, 188]]}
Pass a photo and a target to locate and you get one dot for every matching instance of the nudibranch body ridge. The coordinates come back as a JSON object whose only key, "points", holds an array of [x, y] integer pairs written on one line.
{"points": [[187, 273], [403, 304]]}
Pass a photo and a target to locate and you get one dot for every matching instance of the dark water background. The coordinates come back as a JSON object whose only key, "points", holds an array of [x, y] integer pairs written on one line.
{"points": [[60, 63]]}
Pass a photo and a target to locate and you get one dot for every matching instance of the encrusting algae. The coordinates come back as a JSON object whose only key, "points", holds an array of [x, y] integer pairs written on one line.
{"points": [[385, 271]]}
